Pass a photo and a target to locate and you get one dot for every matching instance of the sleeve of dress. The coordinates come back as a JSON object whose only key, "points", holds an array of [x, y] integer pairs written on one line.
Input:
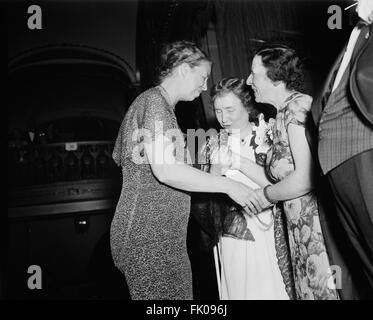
{"points": [[147, 116], [159, 123], [124, 143], [298, 110], [157, 117]]}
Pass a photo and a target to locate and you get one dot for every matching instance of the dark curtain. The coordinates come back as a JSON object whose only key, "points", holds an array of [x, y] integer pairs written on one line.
{"points": [[150, 17], [160, 22], [243, 25]]}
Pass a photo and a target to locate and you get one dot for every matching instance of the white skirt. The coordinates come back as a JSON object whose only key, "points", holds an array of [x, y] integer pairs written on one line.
{"points": [[249, 269]]}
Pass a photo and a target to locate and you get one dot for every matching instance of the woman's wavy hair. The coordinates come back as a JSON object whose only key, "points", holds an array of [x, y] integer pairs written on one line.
{"points": [[176, 53], [240, 89], [283, 64]]}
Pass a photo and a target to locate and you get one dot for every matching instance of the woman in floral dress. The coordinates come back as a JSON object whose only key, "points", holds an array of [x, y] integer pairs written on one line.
{"points": [[276, 78]]}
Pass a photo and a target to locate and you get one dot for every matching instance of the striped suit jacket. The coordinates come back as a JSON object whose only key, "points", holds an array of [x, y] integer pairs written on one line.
{"points": [[344, 118]]}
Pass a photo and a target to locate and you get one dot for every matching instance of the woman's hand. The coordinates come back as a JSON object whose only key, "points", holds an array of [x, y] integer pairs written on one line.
{"points": [[264, 203], [245, 197]]}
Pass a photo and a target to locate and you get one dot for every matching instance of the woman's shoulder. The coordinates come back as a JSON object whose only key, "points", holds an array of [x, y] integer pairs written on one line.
{"points": [[151, 94], [147, 100], [297, 109], [299, 101]]}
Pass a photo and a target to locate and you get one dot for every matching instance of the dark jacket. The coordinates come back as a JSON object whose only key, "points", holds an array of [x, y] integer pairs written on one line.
{"points": [[360, 82]]}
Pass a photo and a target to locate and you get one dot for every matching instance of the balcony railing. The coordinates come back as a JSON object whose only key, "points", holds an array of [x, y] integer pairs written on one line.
{"points": [[31, 165]]}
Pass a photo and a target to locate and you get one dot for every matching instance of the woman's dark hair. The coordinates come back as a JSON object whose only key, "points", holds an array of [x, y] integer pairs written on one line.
{"points": [[176, 53], [283, 64], [239, 88]]}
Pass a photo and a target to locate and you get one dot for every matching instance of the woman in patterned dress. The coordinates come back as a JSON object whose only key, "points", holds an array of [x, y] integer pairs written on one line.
{"points": [[276, 78], [148, 231], [254, 262]]}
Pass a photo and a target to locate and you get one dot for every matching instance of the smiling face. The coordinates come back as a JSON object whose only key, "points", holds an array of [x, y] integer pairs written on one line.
{"points": [[230, 111], [196, 80], [262, 86]]}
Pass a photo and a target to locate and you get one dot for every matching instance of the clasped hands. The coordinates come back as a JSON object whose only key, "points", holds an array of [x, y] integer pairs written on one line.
{"points": [[253, 201]]}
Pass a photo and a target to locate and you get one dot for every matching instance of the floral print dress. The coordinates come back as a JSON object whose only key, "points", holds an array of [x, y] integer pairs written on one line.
{"points": [[311, 268]]}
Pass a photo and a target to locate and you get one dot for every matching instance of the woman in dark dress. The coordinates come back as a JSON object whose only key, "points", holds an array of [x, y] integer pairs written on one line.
{"points": [[148, 231]]}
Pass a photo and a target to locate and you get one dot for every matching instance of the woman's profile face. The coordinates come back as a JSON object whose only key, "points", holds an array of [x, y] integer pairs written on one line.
{"points": [[259, 81], [230, 111], [197, 80]]}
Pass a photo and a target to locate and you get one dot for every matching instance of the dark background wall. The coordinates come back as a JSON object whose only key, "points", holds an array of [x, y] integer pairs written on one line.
{"points": [[63, 224], [109, 25]]}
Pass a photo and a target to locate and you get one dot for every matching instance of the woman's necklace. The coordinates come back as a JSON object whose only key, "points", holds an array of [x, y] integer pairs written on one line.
{"points": [[242, 130], [249, 126]]}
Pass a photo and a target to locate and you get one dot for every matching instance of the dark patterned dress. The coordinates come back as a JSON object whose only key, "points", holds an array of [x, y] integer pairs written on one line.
{"points": [[148, 231], [307, 247]]}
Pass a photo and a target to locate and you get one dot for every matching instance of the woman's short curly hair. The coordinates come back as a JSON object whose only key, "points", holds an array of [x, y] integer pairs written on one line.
{"points": [[283, 64], [239, 88], [176, 53]]}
